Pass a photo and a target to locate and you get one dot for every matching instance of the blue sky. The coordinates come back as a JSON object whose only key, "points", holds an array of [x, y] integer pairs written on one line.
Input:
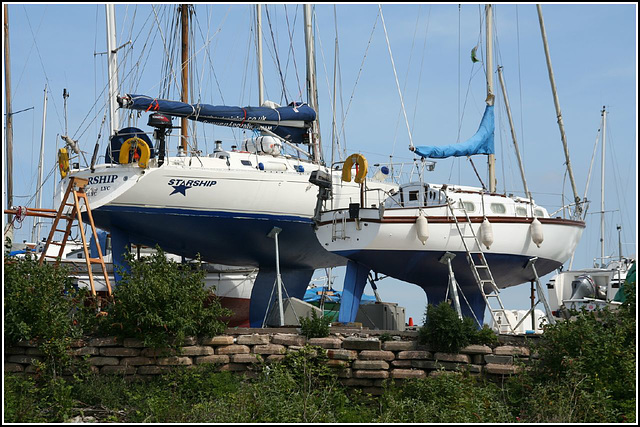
{"points": [[593, 51]]}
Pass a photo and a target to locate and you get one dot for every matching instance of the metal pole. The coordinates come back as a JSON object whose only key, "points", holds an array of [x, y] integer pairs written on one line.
{"points": [[578, 211], [112, 55], [279, 279], [335, 67], [619, 242], [259, 46], [184, 19], [533, 305], [513, 132], [312, 89], [8, 117], [453, 285], [37, 224], [490, 96], [604, 140]]}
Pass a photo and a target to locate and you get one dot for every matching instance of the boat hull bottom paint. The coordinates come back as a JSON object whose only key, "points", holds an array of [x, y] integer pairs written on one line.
{"points": [[265, 294], [425, 270], [240, 309], [222, 237], [229, 240]]}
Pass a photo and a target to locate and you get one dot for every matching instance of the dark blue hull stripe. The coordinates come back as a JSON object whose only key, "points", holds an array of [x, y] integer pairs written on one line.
{"points": [[202, 213]]}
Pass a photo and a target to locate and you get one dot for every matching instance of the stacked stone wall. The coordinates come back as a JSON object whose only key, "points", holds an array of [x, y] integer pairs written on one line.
{"points": [[361, 358]]}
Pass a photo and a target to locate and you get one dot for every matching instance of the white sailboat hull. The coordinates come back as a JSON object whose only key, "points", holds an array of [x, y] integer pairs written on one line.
{"points": [[390, 244], [202, 206]]}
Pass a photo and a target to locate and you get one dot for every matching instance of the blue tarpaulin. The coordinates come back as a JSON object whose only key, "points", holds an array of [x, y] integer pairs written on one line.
{"points": [[290, 122], [480, 143]]}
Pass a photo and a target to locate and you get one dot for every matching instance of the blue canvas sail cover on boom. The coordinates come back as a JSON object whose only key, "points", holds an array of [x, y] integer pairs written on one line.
{"points": [[480, 143], [290, 122]]}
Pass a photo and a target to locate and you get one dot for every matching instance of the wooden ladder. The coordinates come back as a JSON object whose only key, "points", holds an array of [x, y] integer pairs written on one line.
{"points": [[76, 189]]}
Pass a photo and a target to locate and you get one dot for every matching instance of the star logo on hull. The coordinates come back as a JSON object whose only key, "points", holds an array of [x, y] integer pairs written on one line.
{"points": [[182, 189]]}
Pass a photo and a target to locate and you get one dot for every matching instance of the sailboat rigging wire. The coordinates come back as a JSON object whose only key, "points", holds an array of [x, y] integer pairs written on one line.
{"points": [[618, 185], [472, 74], [46, 76], [277, 57], [396, 76], [424, 49], [406, 79], [593, 156], [290, 30], [364, 57], [334, 137], [520, 86]]}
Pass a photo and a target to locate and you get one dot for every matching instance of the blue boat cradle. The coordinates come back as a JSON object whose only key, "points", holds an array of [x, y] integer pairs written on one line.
{"points": [[355, 280]]}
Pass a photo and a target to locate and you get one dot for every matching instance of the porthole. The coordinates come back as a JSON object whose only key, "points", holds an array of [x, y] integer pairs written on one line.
{"points": [[498, 208]]}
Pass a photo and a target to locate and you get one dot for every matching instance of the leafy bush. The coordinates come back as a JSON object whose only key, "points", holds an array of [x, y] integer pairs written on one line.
{"points": [[586, 371], [445, 398], [41, 303], [314, 326], [444, 331], [162, 302], [484, 335], [38, 300], [301, 388], [27, 400]]}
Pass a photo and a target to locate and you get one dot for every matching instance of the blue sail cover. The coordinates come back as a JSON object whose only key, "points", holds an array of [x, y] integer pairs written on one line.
{"points": [[480, 143], [290, 122]]}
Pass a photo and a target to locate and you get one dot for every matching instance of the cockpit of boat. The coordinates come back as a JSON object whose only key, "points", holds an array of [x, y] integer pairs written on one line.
{"points": [[417, 195]]}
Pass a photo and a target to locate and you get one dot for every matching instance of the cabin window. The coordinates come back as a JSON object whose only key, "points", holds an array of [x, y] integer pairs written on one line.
{"points": [[413, 196], [498, 208], [521, 211], [428, 197], [469, 206], [246, 162], [538, 213]]}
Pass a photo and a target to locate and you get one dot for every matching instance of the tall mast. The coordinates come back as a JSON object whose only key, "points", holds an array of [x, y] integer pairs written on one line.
{"points": [[259, 46], [8, 117], [35, 233], [513, 132], [312, 89], [604, 139], [112, 60], [578, 210], [490, 97], [184, 20]]}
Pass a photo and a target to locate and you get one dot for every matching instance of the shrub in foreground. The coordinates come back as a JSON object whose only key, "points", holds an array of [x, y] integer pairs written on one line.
{"points": [[314, 326], [586, 371], [449, 397], [41, 304], [161, 302], [444, 331]]}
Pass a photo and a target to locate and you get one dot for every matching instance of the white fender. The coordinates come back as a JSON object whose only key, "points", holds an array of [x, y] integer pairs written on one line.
{"points": [[422, 228], [536, 232], [486, 233]]}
